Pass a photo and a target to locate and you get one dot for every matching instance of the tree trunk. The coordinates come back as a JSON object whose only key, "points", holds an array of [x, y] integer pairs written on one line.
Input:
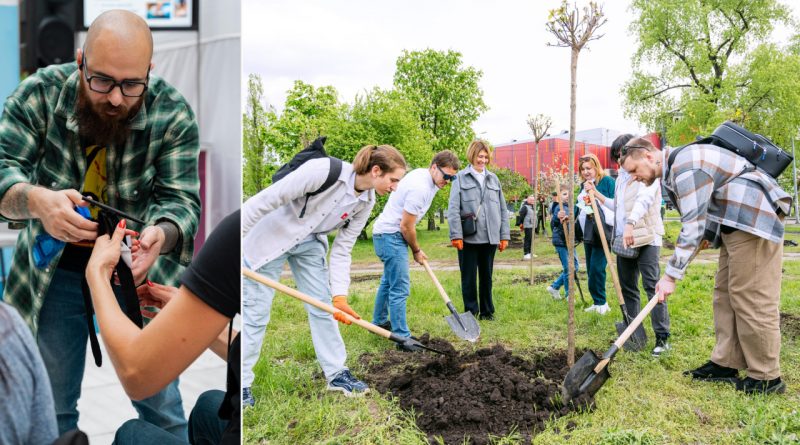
{"points": [[431, 221], [441, 216], [573, 71]]}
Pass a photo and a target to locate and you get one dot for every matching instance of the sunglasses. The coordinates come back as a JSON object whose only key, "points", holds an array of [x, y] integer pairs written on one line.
{"points": [[446, 177], [628, 148]]}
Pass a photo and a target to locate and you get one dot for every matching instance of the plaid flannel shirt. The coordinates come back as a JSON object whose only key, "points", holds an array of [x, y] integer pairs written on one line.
{"points": [[154, 176], [711, 186]]}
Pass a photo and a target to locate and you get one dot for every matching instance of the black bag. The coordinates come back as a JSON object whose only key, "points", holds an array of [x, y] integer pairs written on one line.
{"points": [[590, 232], [314, 151], [469, 221], [757, 149], [618, 247]]}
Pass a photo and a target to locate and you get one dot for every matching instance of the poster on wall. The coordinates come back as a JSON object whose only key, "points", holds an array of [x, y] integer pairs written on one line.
{"points": [[160, 15]]}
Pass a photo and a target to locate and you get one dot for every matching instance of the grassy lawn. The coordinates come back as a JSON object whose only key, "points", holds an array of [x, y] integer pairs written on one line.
{"points": [[646, 401]]}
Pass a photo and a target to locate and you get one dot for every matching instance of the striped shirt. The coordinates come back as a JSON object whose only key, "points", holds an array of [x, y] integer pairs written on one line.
{"points": [[711, 187], [154, 176]]}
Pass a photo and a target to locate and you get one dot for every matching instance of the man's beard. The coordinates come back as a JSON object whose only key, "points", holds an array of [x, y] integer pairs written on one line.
{"points": [[99, 128]]}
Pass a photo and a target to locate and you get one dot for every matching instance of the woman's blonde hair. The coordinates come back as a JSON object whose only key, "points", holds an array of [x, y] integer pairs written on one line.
{"points": [[386, 157], [598, 169], [475, 148]]}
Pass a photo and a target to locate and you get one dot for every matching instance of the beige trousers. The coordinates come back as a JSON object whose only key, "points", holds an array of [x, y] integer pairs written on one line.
{"points": [[747, 293]]}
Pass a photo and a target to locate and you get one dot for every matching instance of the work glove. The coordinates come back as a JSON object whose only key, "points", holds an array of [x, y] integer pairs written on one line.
{"points": [[457, 243], [522, 227], [340, 302], [503, 244]]}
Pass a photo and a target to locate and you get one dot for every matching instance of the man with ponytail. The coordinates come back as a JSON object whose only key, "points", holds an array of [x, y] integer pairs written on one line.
{"points": [[275, 230]]}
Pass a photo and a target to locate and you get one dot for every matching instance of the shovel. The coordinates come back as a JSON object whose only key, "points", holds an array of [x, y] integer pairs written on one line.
{"points": [[408, 342], [589, 373], [639, 338], [464, 325]]}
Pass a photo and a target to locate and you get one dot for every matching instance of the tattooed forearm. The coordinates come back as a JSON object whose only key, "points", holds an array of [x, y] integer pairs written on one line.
{"points": [[171, 235], [14, 204]]}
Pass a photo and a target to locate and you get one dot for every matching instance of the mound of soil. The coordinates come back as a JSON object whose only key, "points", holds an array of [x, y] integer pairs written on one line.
{"points": [[541, 278], [790, 325], [474, 395]]}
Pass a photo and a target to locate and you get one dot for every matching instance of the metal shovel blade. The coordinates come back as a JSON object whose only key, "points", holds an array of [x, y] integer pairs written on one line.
{"points": [[581, 378], [464, 325], [637, 341]]}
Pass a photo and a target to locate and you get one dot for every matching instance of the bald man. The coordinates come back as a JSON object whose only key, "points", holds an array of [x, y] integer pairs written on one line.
{"points": [[107, 128]]}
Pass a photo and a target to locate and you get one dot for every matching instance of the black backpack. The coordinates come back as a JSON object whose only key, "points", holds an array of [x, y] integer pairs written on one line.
{"points": [[314, 151], [757, 149]]}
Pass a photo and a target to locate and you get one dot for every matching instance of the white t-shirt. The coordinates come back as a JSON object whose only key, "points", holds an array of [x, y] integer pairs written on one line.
{"points": [[414, 194]]}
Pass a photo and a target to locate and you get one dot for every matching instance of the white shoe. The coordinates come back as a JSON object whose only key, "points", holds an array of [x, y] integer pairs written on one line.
{"points": [[602, 310], [527, 256], [554, 293], [592, 308]]}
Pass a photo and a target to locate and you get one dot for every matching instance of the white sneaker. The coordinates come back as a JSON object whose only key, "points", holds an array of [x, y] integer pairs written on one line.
{"points": [[602, 310], [554, 293], [592, 308], [527, 256]]}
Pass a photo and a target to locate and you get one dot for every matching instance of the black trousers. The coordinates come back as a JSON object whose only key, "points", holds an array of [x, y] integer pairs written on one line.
{"points": [[526, 243], [540, 223], [476, 262]]}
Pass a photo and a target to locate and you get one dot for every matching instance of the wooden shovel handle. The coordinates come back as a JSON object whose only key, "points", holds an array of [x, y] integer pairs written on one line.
{"points": [[436, 281], [629, 330], [313, 301], [611, 265]]}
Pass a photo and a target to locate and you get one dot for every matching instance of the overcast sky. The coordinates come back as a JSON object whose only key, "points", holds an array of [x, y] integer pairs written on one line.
{"points": [[353, 45]]}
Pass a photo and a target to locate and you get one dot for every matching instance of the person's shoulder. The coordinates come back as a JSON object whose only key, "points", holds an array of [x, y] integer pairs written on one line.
{"points": [[52, 76], [163, 97], [11, 321]]}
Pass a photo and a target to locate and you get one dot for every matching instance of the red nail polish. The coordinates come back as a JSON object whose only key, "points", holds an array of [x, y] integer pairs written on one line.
{"points": [[149, 283], [122, 223]]}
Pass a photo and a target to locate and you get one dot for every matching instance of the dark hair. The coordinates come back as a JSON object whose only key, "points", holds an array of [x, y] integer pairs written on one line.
{"points": [[446, 158], [384, 156], [619, 142], [635, 148]]}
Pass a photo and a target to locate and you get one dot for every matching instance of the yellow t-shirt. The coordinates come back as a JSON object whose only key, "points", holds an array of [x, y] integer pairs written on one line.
{"points": [[95, 184]]}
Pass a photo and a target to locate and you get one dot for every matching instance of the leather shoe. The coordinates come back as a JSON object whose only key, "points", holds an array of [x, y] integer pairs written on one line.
{"points": [[752, 386], [712, 372]]}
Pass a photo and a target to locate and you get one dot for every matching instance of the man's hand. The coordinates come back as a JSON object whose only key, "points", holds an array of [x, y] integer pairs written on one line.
{"points": [[154, 295], [56, 210], [627, 235], [457, 243], [503, 244], [665, 287], [420, 256], [340, 302], [150, 242], [522, 227]]}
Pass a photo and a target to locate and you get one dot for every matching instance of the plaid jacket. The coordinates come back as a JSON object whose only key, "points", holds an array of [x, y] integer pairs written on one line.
{"points": [[711, 186], [154, 176]]}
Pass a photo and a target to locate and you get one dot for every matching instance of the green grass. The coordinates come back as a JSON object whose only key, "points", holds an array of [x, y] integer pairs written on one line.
{"points": [[646, 401]]}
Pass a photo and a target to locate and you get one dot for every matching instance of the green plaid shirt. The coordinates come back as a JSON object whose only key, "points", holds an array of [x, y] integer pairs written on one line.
{"points": [[154, 176]]}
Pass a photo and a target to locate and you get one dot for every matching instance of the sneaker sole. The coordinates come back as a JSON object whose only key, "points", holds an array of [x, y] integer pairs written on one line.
{"points": [[346, 392]]}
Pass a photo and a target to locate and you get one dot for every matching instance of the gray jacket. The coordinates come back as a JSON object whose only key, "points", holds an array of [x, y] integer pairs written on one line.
{"points": [[465, 197]]}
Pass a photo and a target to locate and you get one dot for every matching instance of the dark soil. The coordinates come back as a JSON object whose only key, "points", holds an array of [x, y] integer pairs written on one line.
{"points": [[790, 325], [365, 277], [541, 278], [473, 395]]}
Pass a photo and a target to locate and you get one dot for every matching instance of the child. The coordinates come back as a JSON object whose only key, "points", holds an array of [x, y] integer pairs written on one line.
{"points": [[559, 212]]}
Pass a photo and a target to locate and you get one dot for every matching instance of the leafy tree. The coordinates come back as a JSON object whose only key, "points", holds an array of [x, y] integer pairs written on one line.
{"points": [[573, 28], [256, 119], [447, 98], [713, 62], [515, 186]]}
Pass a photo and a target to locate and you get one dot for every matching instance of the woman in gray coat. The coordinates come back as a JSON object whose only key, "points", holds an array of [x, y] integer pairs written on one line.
{"points": [[478, 225]]}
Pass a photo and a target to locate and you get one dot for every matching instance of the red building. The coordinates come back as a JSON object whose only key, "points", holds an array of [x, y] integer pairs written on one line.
{"points": [[552, 153]]}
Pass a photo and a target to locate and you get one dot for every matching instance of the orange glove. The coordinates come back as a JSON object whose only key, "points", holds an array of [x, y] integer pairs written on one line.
{"points": [[457, 243], [341, 317], [503, 244], [340, 302]]}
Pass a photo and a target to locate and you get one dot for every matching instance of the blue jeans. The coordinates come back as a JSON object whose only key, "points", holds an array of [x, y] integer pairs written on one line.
{"points": [[62, 338], [390, 301], [310, 271], [563, 279], [205, 426], [596, 269]]}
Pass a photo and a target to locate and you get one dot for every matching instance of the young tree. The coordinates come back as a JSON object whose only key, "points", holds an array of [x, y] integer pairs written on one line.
{"points": [[538, 125], [447, 98], [573, 28], [254, 148]]}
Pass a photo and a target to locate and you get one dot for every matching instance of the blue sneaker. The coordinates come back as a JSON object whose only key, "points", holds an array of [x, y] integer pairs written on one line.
{"points": [[247, 398], [347, 384]]}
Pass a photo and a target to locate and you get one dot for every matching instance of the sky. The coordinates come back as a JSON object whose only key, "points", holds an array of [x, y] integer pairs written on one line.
{"points": [[353, 45]]}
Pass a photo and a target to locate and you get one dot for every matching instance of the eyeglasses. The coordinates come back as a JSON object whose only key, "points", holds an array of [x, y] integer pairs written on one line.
{"points": [[104, 85], [446, 176]]}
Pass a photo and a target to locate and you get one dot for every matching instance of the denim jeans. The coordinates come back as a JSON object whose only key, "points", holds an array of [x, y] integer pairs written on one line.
{"points": [[310, 271], [596, 269], [205, 426], [563, 279], [390, 301], [62, 339]]}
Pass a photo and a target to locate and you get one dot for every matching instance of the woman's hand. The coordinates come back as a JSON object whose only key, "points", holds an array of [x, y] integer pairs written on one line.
{"points": [[588, 185], [154, 295], [105, 254]]}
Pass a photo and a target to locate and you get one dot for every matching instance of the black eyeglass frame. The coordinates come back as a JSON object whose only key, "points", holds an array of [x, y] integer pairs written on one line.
{"points": [[114, 83], [626, 148], [448, 178]]}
